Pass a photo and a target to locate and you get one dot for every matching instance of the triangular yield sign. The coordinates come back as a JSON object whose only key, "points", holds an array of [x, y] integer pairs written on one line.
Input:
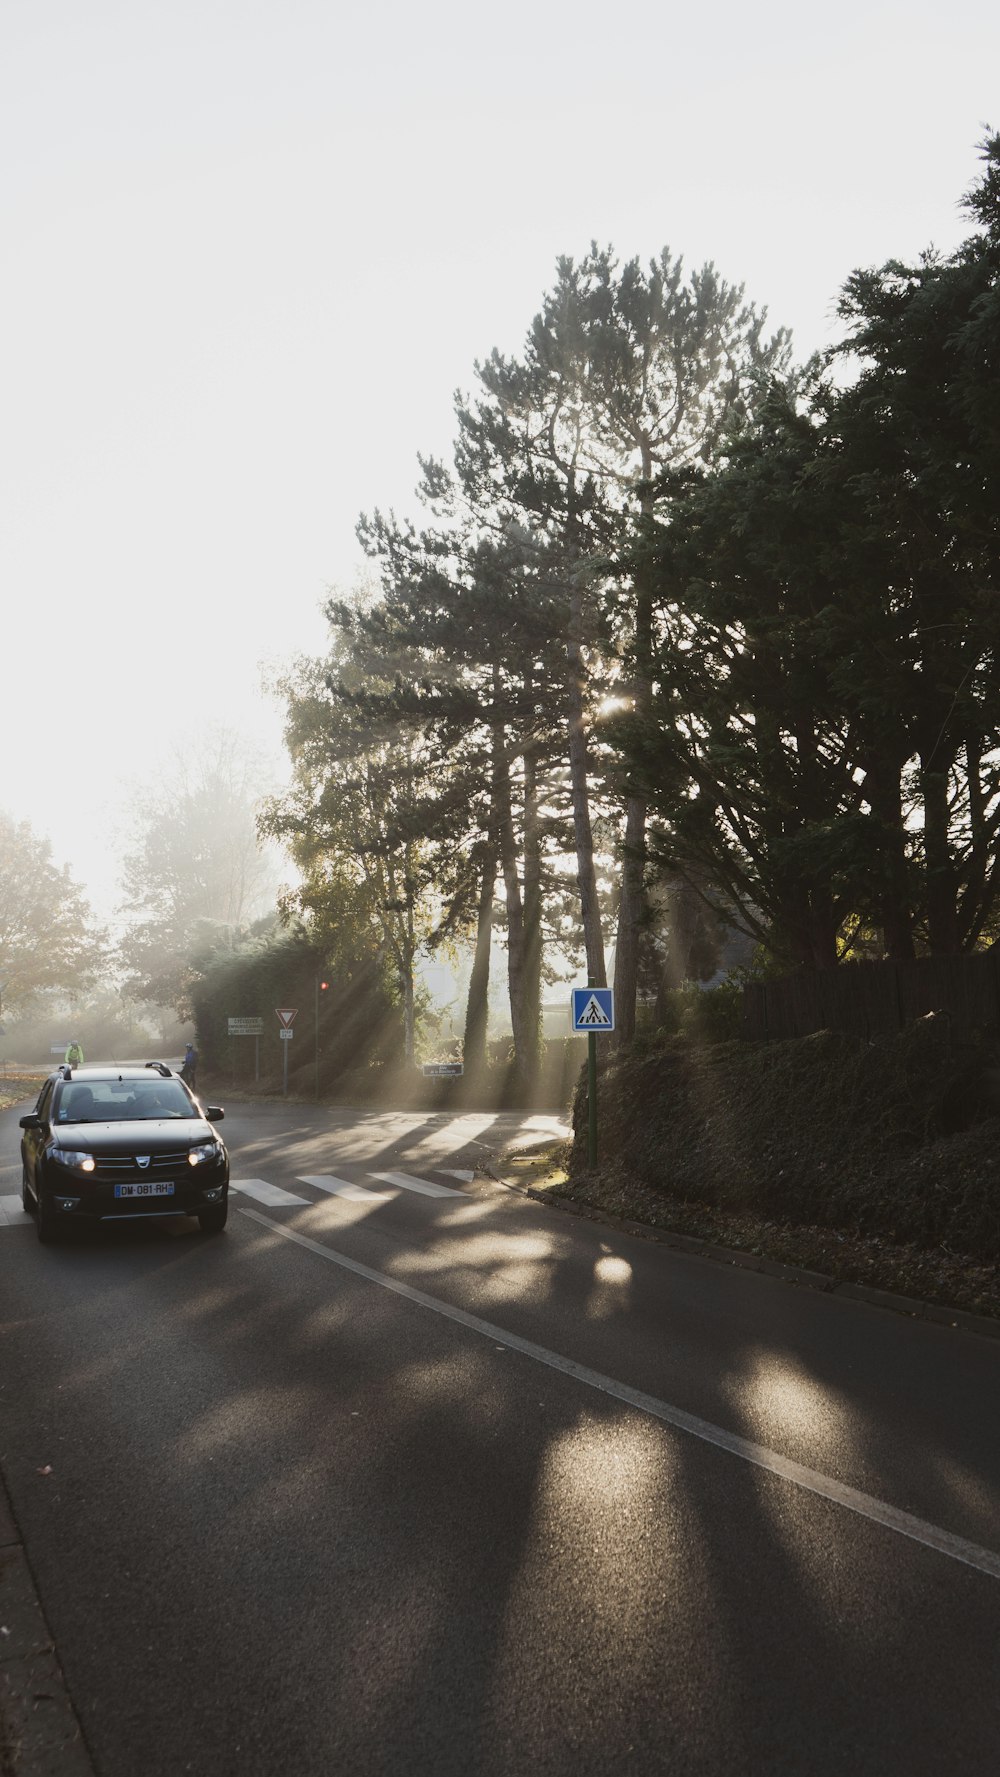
{"points": [[287, 1015], [593, 1013]]}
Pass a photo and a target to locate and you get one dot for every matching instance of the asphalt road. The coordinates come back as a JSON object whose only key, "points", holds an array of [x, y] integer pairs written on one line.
{"points": [[398, 1482]]}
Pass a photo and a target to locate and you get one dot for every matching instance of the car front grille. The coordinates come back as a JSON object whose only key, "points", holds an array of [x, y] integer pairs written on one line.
{"points": [[125, 1167]]}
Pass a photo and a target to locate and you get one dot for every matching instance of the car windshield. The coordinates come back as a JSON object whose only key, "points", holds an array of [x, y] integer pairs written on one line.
{"points": [[123, 1101]]}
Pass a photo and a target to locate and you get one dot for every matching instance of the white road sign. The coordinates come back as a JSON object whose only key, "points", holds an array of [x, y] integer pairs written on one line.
{"points": [[286, 1015], [286, 1033], [246, 1027]]}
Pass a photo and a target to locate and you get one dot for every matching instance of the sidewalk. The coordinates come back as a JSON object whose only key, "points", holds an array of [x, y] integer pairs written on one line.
{"points": [[39, 1733]]}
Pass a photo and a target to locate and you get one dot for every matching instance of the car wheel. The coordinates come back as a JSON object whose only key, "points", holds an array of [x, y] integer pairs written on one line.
{"points": [[27, 1201], [45, 1222], [213, 1220]]}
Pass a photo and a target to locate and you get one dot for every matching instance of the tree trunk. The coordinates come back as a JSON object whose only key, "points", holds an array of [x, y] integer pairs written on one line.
{"points": [[809, 922], [590, 910], [896, 912], [409, 953], [503, 809], [942, 908], [477, 1007], [976, 898], [632, 903], [532, 913], [822, 953], [409, 1023], [630, 912]]}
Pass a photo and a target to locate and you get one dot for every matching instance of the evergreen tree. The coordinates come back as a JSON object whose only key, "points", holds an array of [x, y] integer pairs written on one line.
{"points": [[822, 743]]}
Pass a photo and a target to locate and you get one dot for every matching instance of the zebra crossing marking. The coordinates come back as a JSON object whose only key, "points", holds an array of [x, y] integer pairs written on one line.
{"points": [[273, 1195], [407, 1182], [340, 1187]]}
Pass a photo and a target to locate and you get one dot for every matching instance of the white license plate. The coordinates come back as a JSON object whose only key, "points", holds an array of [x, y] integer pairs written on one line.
{"points": [[157, 1189]]}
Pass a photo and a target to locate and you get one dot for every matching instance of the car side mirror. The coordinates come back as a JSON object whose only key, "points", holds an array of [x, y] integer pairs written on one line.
{"points": [[30, 1121], [214, 1113]]}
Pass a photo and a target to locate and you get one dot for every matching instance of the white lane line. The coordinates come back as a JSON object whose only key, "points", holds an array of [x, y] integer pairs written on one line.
{"points": [[12, 1215], [877, 1510], [449, 1172], [265, 1193], [407, 1182], [342, 1187]]}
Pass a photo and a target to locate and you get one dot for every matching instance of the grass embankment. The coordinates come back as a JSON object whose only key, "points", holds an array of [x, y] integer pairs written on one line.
{"points": [[874, 1163]]}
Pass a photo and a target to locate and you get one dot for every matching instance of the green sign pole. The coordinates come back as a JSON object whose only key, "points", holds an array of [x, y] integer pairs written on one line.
{"points": [[591, 1091]]}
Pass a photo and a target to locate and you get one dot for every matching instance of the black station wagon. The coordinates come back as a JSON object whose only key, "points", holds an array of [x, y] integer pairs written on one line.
{"points": [[108, 1144]]}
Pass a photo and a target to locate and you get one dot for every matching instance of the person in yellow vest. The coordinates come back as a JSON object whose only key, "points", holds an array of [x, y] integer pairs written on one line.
{"points": [[74, 1054]]}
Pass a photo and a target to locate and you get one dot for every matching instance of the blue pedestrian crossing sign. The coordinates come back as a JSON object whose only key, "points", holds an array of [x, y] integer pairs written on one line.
{"points": [[594, 1009]]}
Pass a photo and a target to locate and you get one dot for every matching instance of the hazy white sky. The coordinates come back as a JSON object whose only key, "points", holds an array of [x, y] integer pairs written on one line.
{"points": [[251, 249]]}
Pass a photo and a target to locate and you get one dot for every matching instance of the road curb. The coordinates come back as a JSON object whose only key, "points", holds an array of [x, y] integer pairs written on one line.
{"points": [[915, 1308], [40, 1735]]}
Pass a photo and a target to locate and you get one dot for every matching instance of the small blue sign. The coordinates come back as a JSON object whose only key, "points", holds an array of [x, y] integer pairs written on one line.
{"points": [[594, 1010]]}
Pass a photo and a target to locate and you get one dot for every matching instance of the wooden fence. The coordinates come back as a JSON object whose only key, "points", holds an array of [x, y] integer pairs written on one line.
{"points": [[867, 999]]}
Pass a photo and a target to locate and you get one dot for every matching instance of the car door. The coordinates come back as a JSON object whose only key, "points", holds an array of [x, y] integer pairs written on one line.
{"points": [[33, 1140]]}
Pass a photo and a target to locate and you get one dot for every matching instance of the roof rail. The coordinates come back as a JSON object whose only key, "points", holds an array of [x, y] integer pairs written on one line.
{"points": [[161, 1068]]}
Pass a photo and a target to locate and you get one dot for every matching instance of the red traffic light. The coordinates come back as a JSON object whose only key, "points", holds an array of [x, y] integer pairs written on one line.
{"points": [[323, 986]]}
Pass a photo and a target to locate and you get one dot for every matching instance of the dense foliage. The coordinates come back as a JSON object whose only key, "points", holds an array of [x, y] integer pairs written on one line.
{"points": [[47, 935], [679, 625], [359, 1030], [823, 743], [195, 877], [894, 1138]]}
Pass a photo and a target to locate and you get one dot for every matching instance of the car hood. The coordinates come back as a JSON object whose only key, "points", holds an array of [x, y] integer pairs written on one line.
{"points": [[167, 1135]]}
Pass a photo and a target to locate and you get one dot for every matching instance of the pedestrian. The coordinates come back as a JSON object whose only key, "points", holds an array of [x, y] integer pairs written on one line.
{"points": [[189, 1068], [74, 1054]]}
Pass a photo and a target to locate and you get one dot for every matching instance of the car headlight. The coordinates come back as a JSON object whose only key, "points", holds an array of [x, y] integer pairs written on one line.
{"points": [[70, 1157], [207, 1150]]}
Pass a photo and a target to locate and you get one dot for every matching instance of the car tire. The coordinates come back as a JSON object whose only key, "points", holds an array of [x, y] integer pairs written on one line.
{"points": [[27, 1201], [213, 1220], [46, 1226]]}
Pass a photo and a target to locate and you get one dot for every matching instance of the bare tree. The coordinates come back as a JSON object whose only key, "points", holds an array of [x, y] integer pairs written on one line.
{"points": [[195, 874]]}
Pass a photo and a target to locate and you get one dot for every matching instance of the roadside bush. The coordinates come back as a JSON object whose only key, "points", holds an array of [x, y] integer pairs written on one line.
{"points": [[897, 1138], [705, 1014], [359, 1025]]}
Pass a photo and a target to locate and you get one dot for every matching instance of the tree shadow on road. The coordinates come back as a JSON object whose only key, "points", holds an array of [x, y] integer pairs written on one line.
{"points": [[373, 1542]]}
